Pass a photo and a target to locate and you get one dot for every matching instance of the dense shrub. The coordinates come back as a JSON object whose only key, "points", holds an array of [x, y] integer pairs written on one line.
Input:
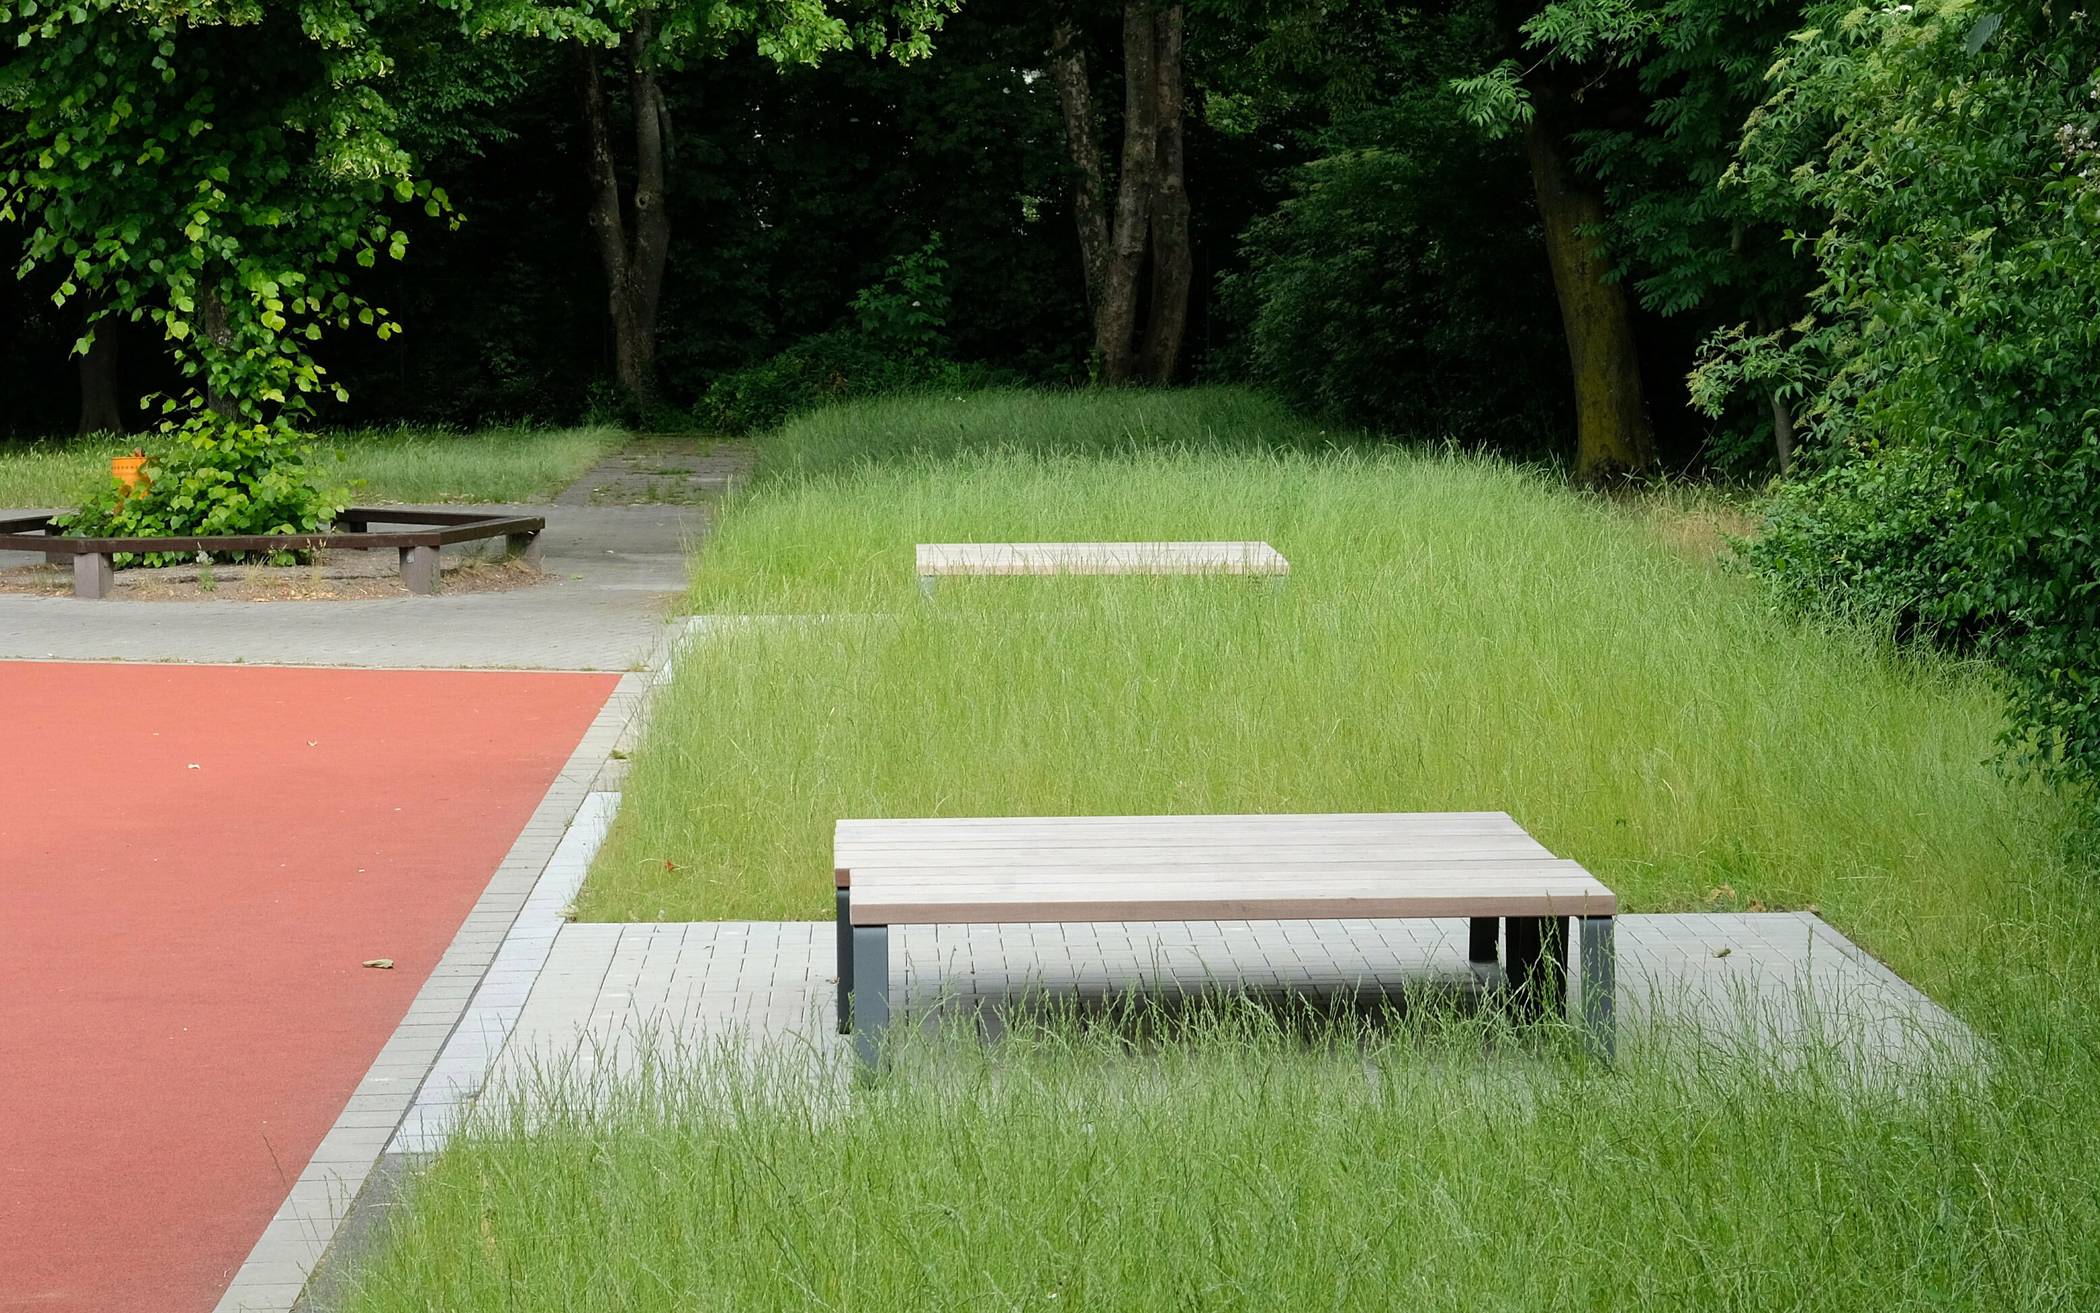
{"points": [[896, 340], [1952, 156], [211, 475], [1382, 294], [1867, 541]]}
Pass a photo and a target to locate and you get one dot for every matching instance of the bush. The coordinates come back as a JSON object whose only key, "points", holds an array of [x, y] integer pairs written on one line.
{"points": [[210, 475], [1385, 293], [896, 341], [840, 365], [1951, 157], [1867, 541]]}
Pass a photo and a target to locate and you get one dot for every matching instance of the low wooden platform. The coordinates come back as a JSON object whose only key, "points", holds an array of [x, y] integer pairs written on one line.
{"points": [[937, 560], [1479, 865]]}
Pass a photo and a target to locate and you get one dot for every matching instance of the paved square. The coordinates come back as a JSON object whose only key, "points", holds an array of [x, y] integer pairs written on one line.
{"points": [[1772, 980]]}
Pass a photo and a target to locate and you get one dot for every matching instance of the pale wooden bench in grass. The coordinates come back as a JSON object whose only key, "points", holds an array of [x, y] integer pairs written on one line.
{"points": [[1005, 870], [938, 560]]}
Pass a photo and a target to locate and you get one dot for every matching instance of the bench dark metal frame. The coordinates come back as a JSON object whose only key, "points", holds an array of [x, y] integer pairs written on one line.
{"points": [[94, 573]]}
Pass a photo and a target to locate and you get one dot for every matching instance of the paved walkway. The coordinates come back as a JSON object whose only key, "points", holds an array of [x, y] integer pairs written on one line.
{"points": [[661, 468], [196, 1071], [617, 571], [1783, 984]]}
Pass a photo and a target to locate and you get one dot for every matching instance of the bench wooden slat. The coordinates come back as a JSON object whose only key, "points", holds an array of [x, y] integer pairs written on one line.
{"points": [[990, 870], [1170, 829], [936, 559], [864, 857], [1303, 871], [883, 896], [941, 907]]}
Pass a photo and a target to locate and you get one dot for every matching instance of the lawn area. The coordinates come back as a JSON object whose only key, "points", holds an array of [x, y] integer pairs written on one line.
{"points": [[377, 465], [1457, 633], [1241, 1167]]}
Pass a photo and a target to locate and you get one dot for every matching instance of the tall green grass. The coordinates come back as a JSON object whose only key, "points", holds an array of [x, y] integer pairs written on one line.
{"points": [[1247, 1165], [517, 464], [1456, 634], [397, 465], [893, 430]]}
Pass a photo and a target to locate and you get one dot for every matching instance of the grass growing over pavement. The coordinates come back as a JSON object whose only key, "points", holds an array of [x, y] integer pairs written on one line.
{"points": [[494, 465], [1456, 634], [388, 465], [1242, 1166]]}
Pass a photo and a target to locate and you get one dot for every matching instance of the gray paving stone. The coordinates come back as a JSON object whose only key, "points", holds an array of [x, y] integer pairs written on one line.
{"points": [[662, 468], [1787, 980], [614, 571]]}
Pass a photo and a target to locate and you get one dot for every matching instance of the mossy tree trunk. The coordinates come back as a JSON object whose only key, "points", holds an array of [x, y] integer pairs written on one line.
{"points": [[1613, 439], [1173, 267]]}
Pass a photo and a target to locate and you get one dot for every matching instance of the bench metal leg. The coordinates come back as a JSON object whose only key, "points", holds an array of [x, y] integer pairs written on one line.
{"points": [[93, 574], [419, 569], [1481, 939], [871, 992], [523, 546], [1600, 962], [1536, 964], [926, 586], [845, 937]]}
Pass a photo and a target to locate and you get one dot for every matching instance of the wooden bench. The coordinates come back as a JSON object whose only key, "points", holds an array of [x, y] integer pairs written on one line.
{"points": [[995, 871], [94, 574], [939, 559]]}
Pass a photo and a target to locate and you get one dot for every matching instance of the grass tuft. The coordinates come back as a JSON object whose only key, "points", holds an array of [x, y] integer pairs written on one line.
{"points": [[1243, 1163]]}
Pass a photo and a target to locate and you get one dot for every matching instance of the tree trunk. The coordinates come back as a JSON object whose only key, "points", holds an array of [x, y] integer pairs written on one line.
{"points": [[1782, 431], [1115, 316], [100, 411], [1075, 100], [1173, 267], [1612, 435], [634, 271], [218, 330], [1782, 414]]}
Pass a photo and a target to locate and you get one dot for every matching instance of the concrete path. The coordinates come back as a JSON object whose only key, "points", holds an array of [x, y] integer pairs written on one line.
{"points": [[1784, 984], [616, 571], [661, 468]]}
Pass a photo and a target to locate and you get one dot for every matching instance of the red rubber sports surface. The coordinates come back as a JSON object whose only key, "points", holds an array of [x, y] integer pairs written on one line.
{"points": [[194, 861]]}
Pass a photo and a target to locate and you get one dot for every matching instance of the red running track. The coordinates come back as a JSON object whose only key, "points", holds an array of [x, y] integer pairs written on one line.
{"points": [[194, 861]]}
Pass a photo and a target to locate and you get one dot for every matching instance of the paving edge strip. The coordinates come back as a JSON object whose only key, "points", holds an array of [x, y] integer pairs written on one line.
{"points": [[412, 1092]]}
